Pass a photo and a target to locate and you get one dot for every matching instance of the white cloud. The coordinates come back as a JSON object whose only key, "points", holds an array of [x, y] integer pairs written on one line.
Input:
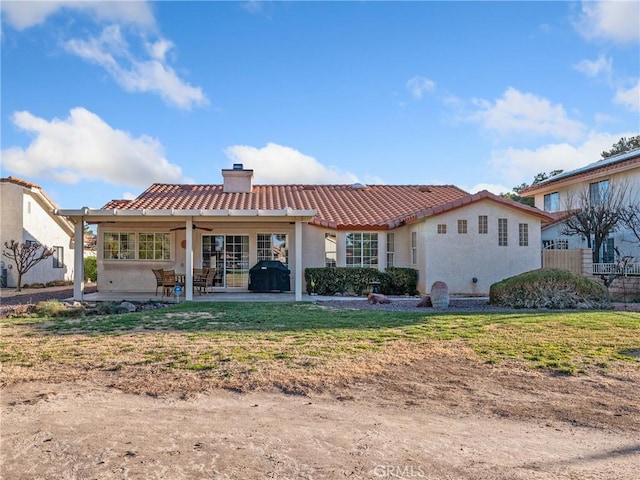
{"points": [[601, 66], [84, 147], [492, 187], [630, 98], [617, 21], [111, 51], [515, 166], [525, 113], [419, 85], [23, 14], [277, 164]]}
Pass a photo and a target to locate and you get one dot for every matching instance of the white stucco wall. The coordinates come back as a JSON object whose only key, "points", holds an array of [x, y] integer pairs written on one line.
{"points": [[458, 258], [623, 239], [26, 217]]}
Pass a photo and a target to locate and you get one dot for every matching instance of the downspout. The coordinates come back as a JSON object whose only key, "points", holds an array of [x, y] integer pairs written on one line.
{"points": [[188, 265], [298, 282], [78, 261]]}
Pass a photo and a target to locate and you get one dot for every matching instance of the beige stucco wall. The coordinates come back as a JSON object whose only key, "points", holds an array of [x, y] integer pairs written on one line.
{"points": [[457, 258], [26, 217]]}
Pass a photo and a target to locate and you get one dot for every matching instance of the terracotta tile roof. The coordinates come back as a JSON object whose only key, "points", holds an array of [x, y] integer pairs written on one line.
{"points": [[20, 181], [119, 204], [338, 206]]}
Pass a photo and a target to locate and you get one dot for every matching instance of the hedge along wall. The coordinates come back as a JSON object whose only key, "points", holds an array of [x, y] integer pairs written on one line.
{"points": [[345, 280]]}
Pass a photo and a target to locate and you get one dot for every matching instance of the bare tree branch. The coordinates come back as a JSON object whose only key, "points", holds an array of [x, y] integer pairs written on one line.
{"points": [[25, 256], [598, 213]]}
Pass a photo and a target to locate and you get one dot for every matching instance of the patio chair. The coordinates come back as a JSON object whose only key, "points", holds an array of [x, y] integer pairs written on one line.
{"points": [[157, 272], [203, 282], [168, 282]]}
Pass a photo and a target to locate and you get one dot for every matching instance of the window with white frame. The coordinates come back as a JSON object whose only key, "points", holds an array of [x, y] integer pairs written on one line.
{"points": [[330, 250], [154, 246], [551, 202], [523, 234], [414, 248], [483, 224], [119, 246], [557, 244], [599, 192], [273, 246], [503, 233], [362, 249], [58, 257], [391, 250], [462, 226]]}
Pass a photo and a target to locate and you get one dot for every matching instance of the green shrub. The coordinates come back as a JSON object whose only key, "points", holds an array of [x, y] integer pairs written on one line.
{"points": [[91, 268], [55, 308], [332, 280], [549, 288], [403, 281], [59, 283]]}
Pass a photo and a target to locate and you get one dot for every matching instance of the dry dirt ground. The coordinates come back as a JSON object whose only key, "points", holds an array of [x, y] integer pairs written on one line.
{"points": [[445, 416]]}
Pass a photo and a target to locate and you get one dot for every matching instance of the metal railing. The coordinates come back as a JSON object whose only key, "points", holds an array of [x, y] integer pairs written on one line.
{"points": [[609, 268]]}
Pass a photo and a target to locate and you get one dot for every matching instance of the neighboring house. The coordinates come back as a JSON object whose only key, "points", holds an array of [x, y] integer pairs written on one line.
{"points": [[27, 215], [467, 241], [558, 195]]}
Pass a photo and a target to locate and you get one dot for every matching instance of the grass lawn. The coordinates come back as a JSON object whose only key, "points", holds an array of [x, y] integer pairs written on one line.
{"points": [[238, 344]]}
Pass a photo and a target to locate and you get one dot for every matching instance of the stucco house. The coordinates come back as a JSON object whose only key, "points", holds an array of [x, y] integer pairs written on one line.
{"points": [[468, 241], [27, 215], [560, 194]]}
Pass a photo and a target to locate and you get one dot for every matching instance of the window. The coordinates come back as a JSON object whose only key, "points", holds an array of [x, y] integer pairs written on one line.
{"points": [[362, 250], [154, 246], [414, 248], [523, 234], [390, 249], [462, 226], [442, 228], [483, 224], [558, 244], [551, 202], [119, 246], [503, 234], [58, 257], [273, 246], [330, 250], [599, 192]]}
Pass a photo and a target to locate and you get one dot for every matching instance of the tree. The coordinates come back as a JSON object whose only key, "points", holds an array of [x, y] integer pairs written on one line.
{"points": [[623, 145], [631, 220], [26, 255], [598, 212], [540, 177]]}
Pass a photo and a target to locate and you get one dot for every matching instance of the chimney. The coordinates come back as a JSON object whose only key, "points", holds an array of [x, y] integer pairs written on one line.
{"points": [[237, 179]]}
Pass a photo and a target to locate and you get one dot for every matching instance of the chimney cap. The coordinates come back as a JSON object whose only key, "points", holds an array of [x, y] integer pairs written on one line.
{"points": [[238, 166]]}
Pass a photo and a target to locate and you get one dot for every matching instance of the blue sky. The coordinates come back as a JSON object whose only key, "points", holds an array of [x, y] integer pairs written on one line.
{"points": [[99, 100]]}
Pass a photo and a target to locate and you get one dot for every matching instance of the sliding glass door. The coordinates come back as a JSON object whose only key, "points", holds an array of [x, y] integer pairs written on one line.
{"points": [[229, 255]]}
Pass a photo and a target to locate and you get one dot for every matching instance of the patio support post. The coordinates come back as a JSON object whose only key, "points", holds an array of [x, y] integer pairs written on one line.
{"points": [[298, 282], [188, 265], [78, 260]]}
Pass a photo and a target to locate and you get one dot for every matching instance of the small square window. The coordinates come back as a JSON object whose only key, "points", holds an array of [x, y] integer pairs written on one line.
{"points": [[442, 228], [462, 226]]}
